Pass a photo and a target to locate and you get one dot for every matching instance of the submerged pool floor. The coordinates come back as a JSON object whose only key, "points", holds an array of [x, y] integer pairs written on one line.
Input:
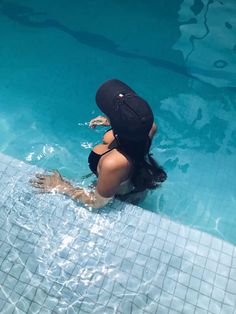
{"points": [[58, 257]]}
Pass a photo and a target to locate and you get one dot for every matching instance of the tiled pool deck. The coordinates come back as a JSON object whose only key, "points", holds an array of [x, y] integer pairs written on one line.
{"points": [[57, 257]]}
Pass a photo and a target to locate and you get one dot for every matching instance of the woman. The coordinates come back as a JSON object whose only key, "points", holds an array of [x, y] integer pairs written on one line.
{"points": [[122, 163]]}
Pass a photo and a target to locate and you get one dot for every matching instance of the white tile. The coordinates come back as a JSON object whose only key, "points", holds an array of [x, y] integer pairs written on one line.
{"points": [[192, 296], [165, 257], [208, 276], [187, 266], [184, 231], [206, 288], [148, 240], [234, 260], [217, 244], [148, 275], [191, 246], [168, 247], [169, 285], [200, 260], [143, 225], [158, 243], [176, 262], [211, 265], [194, 235], [223, 270], [141, 260], [162, 309], [233, 274], [231, 286], [164, 223], [162, 234], [178, 251], [134, 245], [206, 239], [200, 311], [171, 311], [189, 308], [227, 248], [145, 249], [155, 253], [153, 292], [234, 252], [174, 227], [160, 281], [197, 271], [172, 273], [221, 282], [152, 264], [230, 298], [203, 301], [194, 283], [152, 229], [203, 250], [137, 271], [138, 236], [171, 237], [225, 259], [184, 278], [177, 304], [227, 309], [215, 307], [180, 291], [165, 299], [149, 308], [181, 242], [133, 284], [218, 294]]}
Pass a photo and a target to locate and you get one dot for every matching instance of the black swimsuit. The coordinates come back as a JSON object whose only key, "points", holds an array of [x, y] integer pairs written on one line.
{"points": [[94, 158]]}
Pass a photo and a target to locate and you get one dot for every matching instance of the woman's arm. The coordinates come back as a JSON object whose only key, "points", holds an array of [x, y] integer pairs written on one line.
{"points": [[89, 198], [55, 183], [153, 130], [99, 121]]}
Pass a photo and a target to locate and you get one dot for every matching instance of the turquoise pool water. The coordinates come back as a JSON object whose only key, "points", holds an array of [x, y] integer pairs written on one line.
{"points": [[180, 57]]}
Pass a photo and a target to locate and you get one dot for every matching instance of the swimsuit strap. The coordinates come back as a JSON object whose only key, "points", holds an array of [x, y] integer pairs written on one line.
{"points": [[107, 152]]}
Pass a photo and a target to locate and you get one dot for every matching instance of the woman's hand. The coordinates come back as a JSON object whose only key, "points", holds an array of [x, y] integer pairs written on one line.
{"points": [[49, 183], [99, 121], [55, 183]]}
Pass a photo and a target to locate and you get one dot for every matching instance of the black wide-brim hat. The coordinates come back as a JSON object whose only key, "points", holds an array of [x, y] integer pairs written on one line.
{"points": [[130, 115]]}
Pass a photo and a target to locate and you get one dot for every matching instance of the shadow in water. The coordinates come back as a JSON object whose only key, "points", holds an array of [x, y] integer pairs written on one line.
{"points": [[25, 16]]}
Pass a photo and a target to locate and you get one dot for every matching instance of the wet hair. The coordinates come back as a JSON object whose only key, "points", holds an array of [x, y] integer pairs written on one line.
{"points": [[135, 150], [148, 174]]}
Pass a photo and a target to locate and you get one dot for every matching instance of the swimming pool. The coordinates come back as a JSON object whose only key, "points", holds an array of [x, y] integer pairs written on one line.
{"points": [[54, 58], [181, 58]]}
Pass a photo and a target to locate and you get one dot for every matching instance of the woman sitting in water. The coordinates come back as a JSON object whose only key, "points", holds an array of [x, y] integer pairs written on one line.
{"points": [[122, 164]]}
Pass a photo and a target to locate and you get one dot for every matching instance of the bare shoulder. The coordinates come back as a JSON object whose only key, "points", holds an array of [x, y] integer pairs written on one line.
{"points": [[115, 161], [113, 169]]}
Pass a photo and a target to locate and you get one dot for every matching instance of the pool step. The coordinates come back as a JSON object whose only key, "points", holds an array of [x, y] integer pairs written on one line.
{"points": [[58, 257]]}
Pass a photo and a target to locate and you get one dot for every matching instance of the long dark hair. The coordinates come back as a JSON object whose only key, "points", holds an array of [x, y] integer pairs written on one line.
{"points": [[148, 174]]}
